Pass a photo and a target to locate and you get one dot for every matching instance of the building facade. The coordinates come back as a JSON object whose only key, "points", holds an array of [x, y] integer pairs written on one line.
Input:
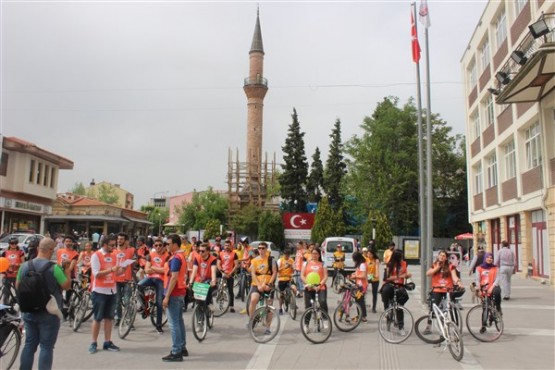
{"points": [[509, 74], [125, 198], [28, 185]]}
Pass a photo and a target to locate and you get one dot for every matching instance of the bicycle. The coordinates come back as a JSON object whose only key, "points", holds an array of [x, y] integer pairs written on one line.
{"points": [[338, 280], [220, 297], [393, 320], [265, 322], [348, 314], [8, 295], [203, 317], [431, 333], [10, 335], [289, 301], [83, 310], [444, 325], [484, 321], [244, 284], [315, 322]]}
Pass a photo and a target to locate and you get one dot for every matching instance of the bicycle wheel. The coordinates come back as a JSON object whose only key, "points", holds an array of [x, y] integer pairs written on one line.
{"points": [[221, 301], [292, 305], [10, 347], [338, 282], [455, 342], [487, 331], [81, 311], [456, 317], [264, 324], [89, 310], [153, 314], [394, 330], [199, 323], [347, 318], [74, 303], [128, 318], [426, 328], [242, 287], [316, 325]]}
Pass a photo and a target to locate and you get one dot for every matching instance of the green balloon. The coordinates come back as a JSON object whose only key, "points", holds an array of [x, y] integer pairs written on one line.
{"points": [[313, 278]]}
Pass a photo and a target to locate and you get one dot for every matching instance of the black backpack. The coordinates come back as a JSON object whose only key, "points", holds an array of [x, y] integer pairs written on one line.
{"points": [[33, 294]]}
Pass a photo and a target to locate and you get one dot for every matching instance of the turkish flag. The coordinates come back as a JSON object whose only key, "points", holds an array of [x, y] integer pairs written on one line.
{"points": [[415, 43], [299, 221]]}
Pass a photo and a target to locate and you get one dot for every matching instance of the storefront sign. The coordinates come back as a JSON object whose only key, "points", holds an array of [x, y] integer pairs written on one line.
{"points": [[412, 249], [16, 204]]}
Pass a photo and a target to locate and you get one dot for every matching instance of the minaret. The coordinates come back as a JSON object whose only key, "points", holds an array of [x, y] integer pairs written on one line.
{"points": [[255, 88]]}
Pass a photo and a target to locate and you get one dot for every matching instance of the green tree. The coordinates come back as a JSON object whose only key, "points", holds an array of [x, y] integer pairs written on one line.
{"points": [[335, 168], [204, 206], [270, 228], [295, 170], [377, 222], [212, 229], [78, 188], [315, 181], [107, 194], [158, 217], [327, 222], [246, 221]]}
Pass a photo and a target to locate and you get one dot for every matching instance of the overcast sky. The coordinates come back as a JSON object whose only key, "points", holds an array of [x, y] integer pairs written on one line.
{"points": [[149, 95]]}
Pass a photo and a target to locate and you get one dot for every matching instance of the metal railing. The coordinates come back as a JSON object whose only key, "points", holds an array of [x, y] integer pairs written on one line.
{"points": [[258, 80]]}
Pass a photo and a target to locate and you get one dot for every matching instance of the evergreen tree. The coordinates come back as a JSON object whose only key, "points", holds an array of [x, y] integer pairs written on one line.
{"points": [[335, 168], [315, 182], [295, 170]]}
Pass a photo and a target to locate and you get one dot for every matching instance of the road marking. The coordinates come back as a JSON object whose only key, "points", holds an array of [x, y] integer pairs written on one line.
{"points": [[530, 332], [263, 356], [469, 361]]}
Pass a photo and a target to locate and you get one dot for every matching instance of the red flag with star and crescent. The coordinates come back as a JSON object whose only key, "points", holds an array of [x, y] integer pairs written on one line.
{"points": [[415, 43], [300, 221]]}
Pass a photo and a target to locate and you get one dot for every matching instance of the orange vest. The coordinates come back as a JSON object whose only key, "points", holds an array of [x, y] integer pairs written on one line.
{"points": [[122, 255], [85, 260], [442, 284], [107, 261], [487, 276], [299, 259], [285, 271], [141, 255], [180, 276], [157, 260], [262, 270], [318, 267], [361, 277], [191, 258], [227, 261], [15, 259], [402, 271], [204, 270]]}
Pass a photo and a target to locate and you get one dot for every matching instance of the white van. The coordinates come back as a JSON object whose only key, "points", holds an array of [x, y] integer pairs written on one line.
{"points": [[329, 246]]}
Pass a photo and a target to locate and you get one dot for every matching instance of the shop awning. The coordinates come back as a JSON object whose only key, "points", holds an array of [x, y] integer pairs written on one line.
{"points": [[138, 220], [86, 218]]}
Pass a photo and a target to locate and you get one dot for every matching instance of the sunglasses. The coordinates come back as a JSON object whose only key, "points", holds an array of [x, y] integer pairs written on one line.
{"points": [[158, 245], [202, 250], [261, 248], [13, 242]]}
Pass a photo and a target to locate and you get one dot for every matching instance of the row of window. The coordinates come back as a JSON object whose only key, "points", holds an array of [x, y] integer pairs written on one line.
{"points": [[42, 174], [533, 151]]}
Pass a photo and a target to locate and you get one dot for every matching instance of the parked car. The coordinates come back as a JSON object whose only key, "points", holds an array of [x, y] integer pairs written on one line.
{"points": [[329, 246], [274, 250], [23, 241]]}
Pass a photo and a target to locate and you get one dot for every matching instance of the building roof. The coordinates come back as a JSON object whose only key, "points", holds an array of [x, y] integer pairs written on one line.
{"points": [[22, 146], [256, 45]]}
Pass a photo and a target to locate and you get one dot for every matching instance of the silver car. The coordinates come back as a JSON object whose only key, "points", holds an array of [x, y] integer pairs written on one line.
{"points": [[23, 240]]}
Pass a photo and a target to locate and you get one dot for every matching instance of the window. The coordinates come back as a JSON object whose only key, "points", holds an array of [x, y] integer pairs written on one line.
{"points": [[492, 171], [533, 146], [4, 164], [510, 160], [500, 29], [46, 173], [489, 111], [39, 173], [472, 75], [476, 125], [478, 186], [484, 55], [32, 171], [52, 176], [519, 5]]}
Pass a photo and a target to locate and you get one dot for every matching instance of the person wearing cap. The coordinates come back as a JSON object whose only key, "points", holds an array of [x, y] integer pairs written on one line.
{"points": [[15, 257]]}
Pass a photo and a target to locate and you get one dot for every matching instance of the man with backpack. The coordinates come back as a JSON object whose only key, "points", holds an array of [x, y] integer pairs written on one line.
{"points": [[36, 282]]}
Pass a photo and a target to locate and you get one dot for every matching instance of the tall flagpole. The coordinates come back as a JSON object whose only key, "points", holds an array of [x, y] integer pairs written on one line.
{"points": [[421, 169], [425, 17]]}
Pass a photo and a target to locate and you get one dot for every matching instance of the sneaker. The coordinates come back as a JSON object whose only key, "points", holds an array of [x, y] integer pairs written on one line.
{"points": [[364, 319], [506, 298], [184, 352], [178, 357], [159, 330], [117, 322], [93, 348], [110, 346], [373, 310], [427, 331], [267, 332], [281, 311], [482, 330], [231, 309], [402, 332]]}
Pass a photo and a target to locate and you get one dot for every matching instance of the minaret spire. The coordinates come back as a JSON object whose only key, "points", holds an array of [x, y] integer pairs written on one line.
{"points": [[257, 45]]}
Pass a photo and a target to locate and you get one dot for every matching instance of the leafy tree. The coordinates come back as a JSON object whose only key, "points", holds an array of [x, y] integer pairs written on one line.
{"points": [[327, 222], [295, 170], [246, 221], [158, 217], [315, 182], [107, 194], [78, 188], [378, 222], [204, 207], [270, 228], [335, 168], [212, 229]]}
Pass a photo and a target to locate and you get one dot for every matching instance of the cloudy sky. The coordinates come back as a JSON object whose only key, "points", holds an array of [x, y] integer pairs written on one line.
{"points": [[149, 94]]}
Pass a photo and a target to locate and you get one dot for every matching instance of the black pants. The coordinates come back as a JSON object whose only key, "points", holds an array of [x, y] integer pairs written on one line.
{"points": [[322, 298], [402, 298], [362, 302], [375, 285]]}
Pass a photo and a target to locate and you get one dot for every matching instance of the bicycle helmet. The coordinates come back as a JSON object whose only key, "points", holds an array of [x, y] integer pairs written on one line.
{"points": [[13, 239], [244, 239], [410, 285]]}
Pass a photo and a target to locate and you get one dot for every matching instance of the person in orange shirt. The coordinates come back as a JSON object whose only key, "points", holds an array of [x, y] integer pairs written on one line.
{"points": [[263, 275], [15, 257], [361, 279], [487, 278], [315, 265], [444, 277], [123, 253], [65, 254], [373, 274], [227, 265], [142, 253], [285, 277], [396, 274], [299, 261], [84, 260]]}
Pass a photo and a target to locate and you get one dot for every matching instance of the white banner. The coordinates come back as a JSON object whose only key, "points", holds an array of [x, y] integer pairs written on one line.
{"points": [[297, 234]]}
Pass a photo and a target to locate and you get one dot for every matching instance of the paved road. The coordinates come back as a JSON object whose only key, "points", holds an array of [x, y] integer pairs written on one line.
{"points": [[528, 342]]}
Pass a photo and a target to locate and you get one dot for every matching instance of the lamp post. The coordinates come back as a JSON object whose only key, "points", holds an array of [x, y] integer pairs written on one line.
{"points": [[373, 220]]}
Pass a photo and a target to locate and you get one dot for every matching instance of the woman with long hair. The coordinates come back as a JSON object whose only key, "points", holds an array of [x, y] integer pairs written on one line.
{"points": [[373, 274], [361, 279], [397, 272]]}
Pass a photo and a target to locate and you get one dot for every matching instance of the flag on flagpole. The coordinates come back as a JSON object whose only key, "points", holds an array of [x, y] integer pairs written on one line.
{"points": [[424, 14], [415, 43]]}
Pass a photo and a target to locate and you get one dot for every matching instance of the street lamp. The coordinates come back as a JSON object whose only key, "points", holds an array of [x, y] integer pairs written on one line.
{"points": [[373, 220]]}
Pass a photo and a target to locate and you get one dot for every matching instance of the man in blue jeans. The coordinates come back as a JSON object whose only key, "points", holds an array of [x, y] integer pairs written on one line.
{"points": [[42, 327], [174, 284]]}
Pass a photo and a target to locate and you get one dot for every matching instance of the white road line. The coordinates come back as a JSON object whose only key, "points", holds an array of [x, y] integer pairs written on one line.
{"points": [[264, 352], [530, 332], [469, 361]]}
